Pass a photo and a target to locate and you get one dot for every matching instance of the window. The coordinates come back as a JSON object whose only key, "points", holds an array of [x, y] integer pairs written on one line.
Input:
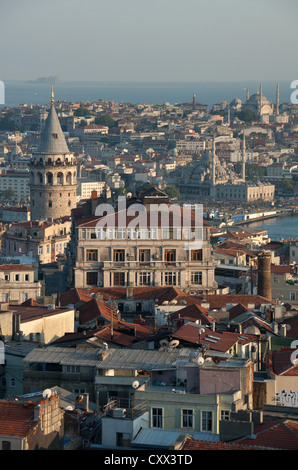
{"points": [[207, 421], [170, 256], [6, 445], [119, 256], [40, 250], [17, 277], [72, 369], [12, 382], [170, 279], [157, 417], [144, 255], [196, 277], [92, 278], [225, 415], [92, 255], [145, 279], [6, 277], [119, 279], [79, 391], [292, 295], [50, 204], [187, 419], [196, 255]]}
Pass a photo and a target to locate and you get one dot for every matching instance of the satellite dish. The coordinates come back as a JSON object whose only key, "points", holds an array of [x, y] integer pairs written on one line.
{"points": [[164, 342], [69, 408], [135, 384], [79, 398], [47, 393], [174, 343]]}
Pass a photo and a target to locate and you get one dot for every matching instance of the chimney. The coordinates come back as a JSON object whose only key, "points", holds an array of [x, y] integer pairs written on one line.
{"points": [[129, 292], [283, 330], [264, 275]]}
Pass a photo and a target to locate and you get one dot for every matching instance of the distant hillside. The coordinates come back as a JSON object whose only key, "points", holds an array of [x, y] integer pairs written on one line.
{"points": [[52, 80]]}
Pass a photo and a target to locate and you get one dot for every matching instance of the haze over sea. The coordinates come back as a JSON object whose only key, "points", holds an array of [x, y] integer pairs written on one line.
{"points": [[20, 92]]}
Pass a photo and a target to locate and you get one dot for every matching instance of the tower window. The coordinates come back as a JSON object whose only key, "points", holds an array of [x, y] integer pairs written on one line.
{"points": [[69, 203], [55, 136], [50, 204]]}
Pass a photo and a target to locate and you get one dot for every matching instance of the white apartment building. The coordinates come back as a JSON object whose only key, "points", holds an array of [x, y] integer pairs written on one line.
{"points": [[86, 187]]}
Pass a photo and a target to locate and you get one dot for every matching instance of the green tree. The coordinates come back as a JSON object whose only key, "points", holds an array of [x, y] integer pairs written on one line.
{"points": [[105, 120], [287, 185], [247, 115], [172, 192], [82, 112], [8, 194]]}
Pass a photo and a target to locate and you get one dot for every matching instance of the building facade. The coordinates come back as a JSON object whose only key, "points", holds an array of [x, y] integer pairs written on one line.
{"points": [[157, 255]]}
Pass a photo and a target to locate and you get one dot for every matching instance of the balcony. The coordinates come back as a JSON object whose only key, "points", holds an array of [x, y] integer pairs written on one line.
{"points": [[112, 265]]}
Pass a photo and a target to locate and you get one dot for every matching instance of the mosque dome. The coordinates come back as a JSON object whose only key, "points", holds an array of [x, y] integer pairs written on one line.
{"points": [[255, 99]]}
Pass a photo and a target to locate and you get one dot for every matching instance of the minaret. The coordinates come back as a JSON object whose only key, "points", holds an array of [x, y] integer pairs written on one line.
{"points": [[229, 116], [261, 99], [213, 161], [53, 173], [194, 101], [247, 94], [243, 156], [277, 98]]}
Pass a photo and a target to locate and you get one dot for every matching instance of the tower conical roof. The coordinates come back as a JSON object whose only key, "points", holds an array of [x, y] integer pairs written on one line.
{"points": [[52, 138]]}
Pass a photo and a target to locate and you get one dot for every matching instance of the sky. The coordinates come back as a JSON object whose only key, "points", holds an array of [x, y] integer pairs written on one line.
{"points": [[149, 40]]}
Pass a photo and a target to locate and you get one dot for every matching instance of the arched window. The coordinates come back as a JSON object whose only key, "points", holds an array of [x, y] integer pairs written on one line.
{"points": [[39, 177], [60, 178], [49, 160], [69, 203], [50, 204], [49, 178], [68, 178]]}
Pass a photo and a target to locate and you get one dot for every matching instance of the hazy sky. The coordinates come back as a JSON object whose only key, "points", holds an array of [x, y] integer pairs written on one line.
{"points": [[149, 40]]}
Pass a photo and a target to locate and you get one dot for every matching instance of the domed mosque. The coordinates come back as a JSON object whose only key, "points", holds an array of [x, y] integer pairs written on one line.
{"points": [[202, 178], [259, 104], [211, 179]]}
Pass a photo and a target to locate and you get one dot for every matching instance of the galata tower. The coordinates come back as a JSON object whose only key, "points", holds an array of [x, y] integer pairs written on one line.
{"points": [[53, 173]]}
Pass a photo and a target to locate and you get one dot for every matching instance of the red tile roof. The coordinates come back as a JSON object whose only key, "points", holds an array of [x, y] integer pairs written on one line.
{"points": [[280, 362], [95, 309], [74, 296], [238, 310], [16, 267], [281, 435], [192, 312], [192, 444], [16, 419], [223, 342]]}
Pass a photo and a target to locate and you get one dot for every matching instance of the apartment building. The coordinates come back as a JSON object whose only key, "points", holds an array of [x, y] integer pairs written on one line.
{"points": [[18, 182], [157, 255], [19, 283], [40, 241]]}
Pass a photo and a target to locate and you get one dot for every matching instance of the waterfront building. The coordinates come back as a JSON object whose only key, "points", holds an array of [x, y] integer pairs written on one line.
{"points": [[212, 179]]}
